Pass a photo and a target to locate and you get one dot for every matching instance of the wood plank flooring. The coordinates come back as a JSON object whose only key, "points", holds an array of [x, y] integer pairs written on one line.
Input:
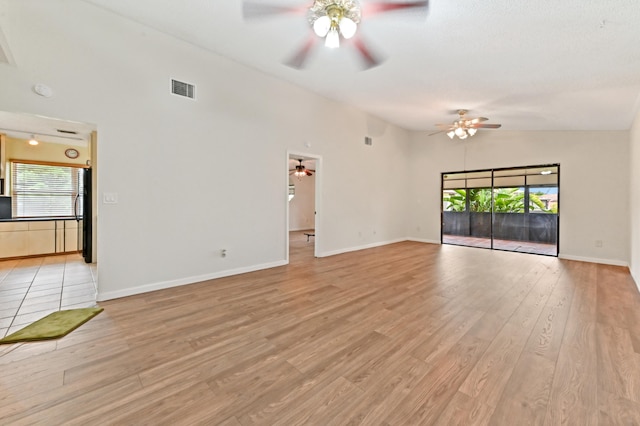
{"points": [[405, 334]]}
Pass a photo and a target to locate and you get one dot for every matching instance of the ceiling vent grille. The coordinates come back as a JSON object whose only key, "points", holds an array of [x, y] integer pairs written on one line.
{"points": [[181, 88]]}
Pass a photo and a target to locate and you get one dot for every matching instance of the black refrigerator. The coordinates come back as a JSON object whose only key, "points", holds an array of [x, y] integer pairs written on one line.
{"points": [[83, 214]]}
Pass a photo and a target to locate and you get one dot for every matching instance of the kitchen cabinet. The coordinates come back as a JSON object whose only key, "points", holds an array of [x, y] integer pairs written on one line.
{"points": [[70, 235], [13, 239], [21, 238], [41, 238]]}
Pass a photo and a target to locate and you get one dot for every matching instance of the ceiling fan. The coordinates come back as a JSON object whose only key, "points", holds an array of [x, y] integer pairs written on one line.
{"points": [[301, 170], [333, 20], [464, 127]]}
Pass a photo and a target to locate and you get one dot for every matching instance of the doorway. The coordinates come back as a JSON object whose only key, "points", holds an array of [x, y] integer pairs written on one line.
{"points": [[511, 209], [52, 147], [303, 183], [47, 159]]}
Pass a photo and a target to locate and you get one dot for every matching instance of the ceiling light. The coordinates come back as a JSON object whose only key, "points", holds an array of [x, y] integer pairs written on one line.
{"points": [[462, 130], [300, 170], [334, 18], [348, 28], [464, 127], [33, 141], [333, 39], [321, 26]]}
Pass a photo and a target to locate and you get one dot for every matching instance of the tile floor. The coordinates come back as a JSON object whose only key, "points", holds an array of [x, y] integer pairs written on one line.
{"points": [[33, 288]]}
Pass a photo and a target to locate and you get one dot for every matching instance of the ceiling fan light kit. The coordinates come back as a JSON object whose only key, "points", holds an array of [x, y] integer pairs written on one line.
{"points": [[331, 19], [301, 170], [465, 127]]}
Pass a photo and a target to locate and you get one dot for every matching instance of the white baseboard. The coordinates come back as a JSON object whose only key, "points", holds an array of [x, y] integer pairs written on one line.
{"points": [[109, 295], [594, 260], [636, 279], [102, 296], [363, 247], [423, 240]]}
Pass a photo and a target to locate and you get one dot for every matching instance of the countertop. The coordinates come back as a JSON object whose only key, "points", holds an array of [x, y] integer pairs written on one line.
{"points": [[37, 219]]}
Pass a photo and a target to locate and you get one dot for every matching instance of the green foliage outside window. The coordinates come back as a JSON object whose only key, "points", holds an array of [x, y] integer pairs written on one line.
{"points": [[506, 200]]}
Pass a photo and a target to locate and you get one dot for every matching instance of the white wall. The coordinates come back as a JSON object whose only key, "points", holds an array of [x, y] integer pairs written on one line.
{"points": [[302, 206], [635, 200], [594, 183], [156, 150], [176, 163]]}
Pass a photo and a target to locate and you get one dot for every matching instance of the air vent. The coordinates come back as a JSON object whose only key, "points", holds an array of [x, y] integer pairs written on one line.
{"points": [[368, 141], [181, 88], [67, 132]]}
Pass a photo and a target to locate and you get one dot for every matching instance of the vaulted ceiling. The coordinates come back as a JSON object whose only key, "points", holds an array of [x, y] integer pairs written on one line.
{"points": [[530, 65]]}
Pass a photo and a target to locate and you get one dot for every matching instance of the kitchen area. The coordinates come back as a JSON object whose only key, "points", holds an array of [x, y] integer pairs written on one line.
{"points": [[45, 187], [47, 216]]}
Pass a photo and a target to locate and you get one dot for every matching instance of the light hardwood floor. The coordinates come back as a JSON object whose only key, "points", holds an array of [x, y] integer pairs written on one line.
{"points": [[404, 334]]}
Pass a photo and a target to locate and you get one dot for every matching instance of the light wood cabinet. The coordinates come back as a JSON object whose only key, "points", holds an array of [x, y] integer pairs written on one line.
{"points": [[13, 239], [31, 238], [70, 240]]}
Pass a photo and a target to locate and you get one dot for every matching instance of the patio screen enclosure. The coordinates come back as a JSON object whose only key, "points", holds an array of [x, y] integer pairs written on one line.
{"points": [[513, 209]]}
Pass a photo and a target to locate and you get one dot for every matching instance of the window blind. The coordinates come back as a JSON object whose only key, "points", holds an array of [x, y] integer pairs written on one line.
{"points": [[41, 190]]}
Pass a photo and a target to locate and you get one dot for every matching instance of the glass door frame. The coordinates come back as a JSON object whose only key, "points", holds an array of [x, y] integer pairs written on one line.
{"points": [[484, 175]]}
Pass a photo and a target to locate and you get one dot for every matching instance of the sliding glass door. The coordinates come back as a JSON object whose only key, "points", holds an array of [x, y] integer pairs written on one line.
{"points": [[513, 209]]}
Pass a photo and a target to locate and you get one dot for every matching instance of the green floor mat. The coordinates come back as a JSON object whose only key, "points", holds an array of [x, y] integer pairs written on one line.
{"points": [[53, 326]]}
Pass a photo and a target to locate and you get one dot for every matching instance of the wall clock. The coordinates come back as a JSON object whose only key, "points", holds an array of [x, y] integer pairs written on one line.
{"points": [[72, 153]]}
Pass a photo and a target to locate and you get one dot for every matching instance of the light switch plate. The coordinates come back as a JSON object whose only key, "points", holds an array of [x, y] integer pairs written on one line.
{"points": [[110, 198]]}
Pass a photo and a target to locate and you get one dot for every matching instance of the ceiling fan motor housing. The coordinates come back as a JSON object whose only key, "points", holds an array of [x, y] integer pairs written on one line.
{"points": [[335, 10]]}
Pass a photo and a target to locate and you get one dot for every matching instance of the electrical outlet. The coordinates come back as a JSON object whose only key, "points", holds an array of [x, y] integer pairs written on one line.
{"points": [[223, 252]]}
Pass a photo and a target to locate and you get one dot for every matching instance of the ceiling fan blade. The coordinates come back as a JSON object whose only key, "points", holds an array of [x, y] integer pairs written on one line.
{"points": [[251, 10], [477, 120], [291, 172], [299, 59], [381, 7], [485, 126], [444, 127], [308, 173], [435, 133], [368, 57]]}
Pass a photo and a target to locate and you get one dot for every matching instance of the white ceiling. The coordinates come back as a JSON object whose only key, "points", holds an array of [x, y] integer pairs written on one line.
{"points": [[45, 129], [530, 65]]}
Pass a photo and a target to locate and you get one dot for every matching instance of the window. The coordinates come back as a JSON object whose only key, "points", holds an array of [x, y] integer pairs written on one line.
{"points": [[292, 191], [454, 200], [44, 190]]}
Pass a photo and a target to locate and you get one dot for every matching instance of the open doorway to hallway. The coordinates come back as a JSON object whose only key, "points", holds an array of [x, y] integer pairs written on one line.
{"points": [[303, 178]]}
